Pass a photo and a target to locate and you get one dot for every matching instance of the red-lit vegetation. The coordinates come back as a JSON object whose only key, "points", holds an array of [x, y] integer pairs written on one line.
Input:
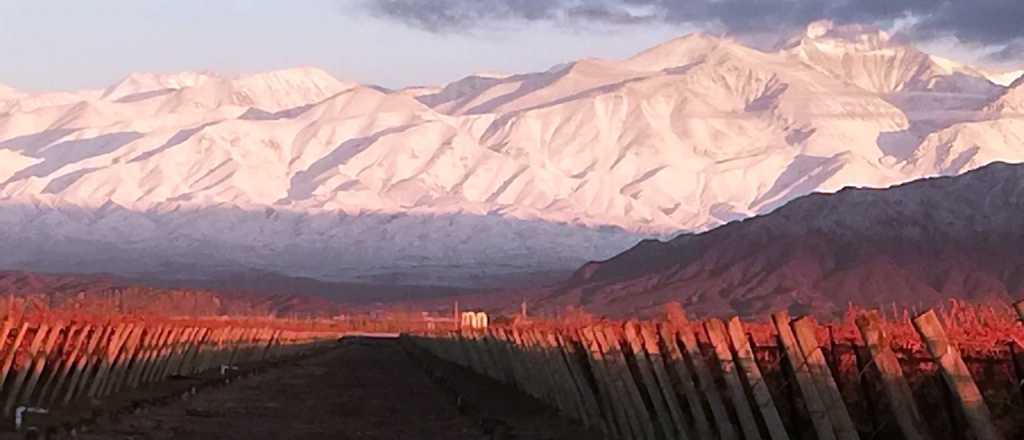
{"points": [[988, 339]]}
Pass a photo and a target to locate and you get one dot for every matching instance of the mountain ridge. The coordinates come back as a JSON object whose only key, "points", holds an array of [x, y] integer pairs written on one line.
{"points": [[915, 244], [593, 155]]}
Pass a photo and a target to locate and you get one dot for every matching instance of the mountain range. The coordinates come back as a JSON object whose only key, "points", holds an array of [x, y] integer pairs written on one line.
{"points": [[913, 245], [488, 180]]}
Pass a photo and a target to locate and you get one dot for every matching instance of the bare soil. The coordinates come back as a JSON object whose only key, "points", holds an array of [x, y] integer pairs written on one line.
{"points": [[363, 389]]}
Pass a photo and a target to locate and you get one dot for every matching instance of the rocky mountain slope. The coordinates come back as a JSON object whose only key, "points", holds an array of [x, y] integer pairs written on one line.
{"points": [[488, 179], [916, 244]]}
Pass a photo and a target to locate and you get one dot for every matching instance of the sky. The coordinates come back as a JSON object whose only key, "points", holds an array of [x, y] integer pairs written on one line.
{"points": [[57, 45]]}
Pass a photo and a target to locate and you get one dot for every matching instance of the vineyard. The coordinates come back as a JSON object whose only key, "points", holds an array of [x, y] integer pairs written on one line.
{"points": [[950, 373], [60, 364]]}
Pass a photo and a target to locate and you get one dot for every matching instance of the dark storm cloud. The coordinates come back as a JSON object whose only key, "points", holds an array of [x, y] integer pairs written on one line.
{"points": [[986, 22]]}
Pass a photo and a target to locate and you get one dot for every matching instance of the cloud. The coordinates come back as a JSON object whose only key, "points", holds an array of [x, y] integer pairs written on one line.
{"points": [[979, 22], [1014, 52]]}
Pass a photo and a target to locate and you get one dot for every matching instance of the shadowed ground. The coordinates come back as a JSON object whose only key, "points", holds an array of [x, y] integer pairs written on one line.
{"points": [[365, 389]]}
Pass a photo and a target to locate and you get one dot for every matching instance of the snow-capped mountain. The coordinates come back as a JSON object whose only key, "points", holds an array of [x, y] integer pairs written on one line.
{"points": [[298, 172], [1004, 77]]}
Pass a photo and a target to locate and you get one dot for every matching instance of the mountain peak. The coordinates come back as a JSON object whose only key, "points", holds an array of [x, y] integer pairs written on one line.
{"points": [[677, 52], [874, 60], [146, 82], [828, 36], [1019, 82]]}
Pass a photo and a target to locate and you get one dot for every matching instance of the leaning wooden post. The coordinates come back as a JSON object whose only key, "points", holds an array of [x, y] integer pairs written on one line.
{"points": [[707, 384], [11, 353], [532, 384], [956, 375], [6, 330], [155, 354], [624, 419], [615, 414], [56, 381], [513, 358], [652, 347], [19, 379], [549, 384], [157, 373], [805, 328], [145, 349], [747, 362], [568, 379], [717, 335], [110, 356], [587, 391], [187, 350], [39, 363], [125, 360], [85, 363], [174, 357], [611, 340], [895, 386], [648, 381], [804, 380], [677, 363]]}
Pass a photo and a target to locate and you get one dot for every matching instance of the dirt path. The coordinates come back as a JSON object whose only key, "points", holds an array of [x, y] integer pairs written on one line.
{"points": [[365, 389]]}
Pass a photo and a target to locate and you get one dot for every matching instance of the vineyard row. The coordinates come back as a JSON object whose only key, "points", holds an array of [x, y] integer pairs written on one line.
{"points": [[676, 379], [46, 364]]}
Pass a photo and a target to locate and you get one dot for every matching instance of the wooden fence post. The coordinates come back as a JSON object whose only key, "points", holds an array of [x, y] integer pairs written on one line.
{"points": [[85, 363], [38, 363], [611, 342], [509, 355], [707, 385], [146, 343], [684, 375], [897, 391], [586, 388], [107, 361], [549, 388], [56, 380], [650, 340], [5, 330], [533, 379], [747, 362], [805, 330], [19, 379], [956, 375], [574, 387], [611, 391], [717, 335], [156, 353], [804, 379], [11, 353], [184, 349], [648, 381], [123, 362]]}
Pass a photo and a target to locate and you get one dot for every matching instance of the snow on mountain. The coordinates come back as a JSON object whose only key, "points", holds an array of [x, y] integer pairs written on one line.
{"points": [[1004, 78], [298, 172], [6, 91], [1011, 101], [138, 86], [873, 60]]}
